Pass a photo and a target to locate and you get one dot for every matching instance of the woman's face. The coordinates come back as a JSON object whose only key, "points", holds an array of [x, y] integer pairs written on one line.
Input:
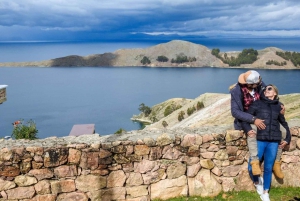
{"points": [[270, 92]]}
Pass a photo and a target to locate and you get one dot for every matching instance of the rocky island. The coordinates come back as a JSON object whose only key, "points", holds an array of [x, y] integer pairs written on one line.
{"points": [[176, 53]]}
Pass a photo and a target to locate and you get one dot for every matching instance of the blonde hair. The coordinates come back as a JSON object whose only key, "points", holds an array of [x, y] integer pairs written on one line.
{"points": [[275, 89]]}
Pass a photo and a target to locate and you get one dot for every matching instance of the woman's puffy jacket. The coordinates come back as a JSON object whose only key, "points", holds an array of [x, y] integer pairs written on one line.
{"points": [[268, 110]]}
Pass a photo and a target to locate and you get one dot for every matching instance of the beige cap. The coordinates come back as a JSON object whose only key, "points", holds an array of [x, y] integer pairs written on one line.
{"points": [[250, 77]]}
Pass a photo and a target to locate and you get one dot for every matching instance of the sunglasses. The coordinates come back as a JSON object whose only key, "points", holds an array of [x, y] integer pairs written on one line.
{"points": [[269, 88]]}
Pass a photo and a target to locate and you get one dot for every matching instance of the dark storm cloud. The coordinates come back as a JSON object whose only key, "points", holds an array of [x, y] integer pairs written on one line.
{"points": [[185, 17]]}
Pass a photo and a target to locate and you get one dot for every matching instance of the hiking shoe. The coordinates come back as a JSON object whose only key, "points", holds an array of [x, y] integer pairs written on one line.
{"points": [[265, 197], [277, 170], [255, 167], [260, 186]]}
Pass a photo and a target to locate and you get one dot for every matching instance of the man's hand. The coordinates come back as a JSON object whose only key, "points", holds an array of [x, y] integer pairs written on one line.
{"points": [[282, 111], [260, 124], [282, 144], [252, 133]]}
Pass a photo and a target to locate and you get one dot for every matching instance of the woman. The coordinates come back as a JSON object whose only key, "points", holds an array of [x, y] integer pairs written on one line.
{"points": [[269, 139]]}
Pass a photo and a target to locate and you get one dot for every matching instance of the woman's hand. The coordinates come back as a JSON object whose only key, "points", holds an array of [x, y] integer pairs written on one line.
{"points": [[282, 111], [260, 124], [282, 144], [252, 133]]}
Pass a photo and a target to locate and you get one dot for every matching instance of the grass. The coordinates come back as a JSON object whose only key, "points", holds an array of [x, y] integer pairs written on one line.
{"points": [[276, 194]]}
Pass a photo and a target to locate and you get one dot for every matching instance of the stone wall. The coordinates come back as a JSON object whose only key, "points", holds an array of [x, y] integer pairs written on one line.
{"points": [[2, 94], [169, 165]]}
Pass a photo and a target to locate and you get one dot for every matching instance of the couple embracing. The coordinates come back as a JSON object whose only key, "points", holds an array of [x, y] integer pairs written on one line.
{"points": [[257, 110]]}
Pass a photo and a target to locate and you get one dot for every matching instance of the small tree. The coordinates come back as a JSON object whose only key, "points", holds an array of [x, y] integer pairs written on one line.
{"points": [[162, 59], [145, 60], [24, 130], [145, 109]]}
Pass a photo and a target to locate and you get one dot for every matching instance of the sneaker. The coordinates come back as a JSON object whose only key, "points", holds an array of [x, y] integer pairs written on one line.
{"points": [[260, 186], [265, 197]]}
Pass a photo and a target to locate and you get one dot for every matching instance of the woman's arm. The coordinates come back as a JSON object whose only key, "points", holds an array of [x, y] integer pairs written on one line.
{"points": [[283, 122]]}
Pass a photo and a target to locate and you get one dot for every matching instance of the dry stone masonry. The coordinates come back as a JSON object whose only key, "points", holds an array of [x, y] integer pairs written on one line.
{"points": [[136, 166]]}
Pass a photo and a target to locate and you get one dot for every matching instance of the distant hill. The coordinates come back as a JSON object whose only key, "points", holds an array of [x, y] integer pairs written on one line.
{"points": [[171, 50]]}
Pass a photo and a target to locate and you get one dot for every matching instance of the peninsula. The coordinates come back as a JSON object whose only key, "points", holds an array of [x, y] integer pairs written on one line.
{"points": [[176, 53]]}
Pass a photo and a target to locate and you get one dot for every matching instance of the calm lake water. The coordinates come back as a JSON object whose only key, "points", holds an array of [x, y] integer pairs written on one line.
{"points": [[58, 98]]}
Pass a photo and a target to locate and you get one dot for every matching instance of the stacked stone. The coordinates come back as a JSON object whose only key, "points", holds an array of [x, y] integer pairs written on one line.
{"points": [[169, 166], [2, 94]]}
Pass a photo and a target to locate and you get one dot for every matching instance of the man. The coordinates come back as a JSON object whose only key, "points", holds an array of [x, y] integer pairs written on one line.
{"points": [[246, 91]]}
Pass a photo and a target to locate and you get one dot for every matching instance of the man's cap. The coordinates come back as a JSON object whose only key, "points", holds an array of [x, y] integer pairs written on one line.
{"points": [[250, 77]]}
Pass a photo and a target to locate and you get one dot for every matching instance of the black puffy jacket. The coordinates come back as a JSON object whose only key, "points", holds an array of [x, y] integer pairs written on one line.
{"points": [[268, 110]]}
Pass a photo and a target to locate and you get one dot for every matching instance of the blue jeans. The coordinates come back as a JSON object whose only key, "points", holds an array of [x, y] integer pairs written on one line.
{"points": [[267, 150]]}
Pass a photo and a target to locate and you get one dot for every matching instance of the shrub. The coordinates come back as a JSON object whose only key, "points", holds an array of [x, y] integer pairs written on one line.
{"points": [[153, 119], [162, 59], [170, 109], [120, 131], [24, 130], [145, 60], [181, 115], [200, 105], [190, 110], [165, 124]]}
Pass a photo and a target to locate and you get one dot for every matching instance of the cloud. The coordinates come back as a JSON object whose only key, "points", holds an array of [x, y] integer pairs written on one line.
{"points": [[150, 16]]}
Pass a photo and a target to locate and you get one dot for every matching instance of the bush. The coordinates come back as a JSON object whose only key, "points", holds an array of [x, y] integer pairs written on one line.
{"points": [[171, 108], [181, 115], [181, 58], [165, 124], [24, 130], [145, 109], [191, 110], [200, 105], [162, 59], [120, 131], [145, 60]]}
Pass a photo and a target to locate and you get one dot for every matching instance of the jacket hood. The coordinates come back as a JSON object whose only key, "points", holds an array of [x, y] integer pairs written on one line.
{"points": [[269, 101]]}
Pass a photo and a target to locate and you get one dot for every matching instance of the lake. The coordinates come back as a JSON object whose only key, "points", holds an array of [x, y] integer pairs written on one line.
{"points": [[58, 98]]}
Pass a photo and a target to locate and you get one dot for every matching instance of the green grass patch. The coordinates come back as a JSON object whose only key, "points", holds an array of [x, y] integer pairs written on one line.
{"points": [[276, 194]]}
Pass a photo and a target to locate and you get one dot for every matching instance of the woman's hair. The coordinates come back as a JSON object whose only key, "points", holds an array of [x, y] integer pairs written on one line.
{"points": [[275, 89]]}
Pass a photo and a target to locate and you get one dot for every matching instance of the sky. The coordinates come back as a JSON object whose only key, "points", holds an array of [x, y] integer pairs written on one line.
{"points": [[50, 20]]}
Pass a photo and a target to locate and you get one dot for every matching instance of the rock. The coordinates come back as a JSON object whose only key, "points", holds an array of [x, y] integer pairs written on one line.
{"points": [[243, 181], [176, 170], [207, 138], [228, 184], [141, 150], [172, 154], [232, 135], [163, 140], [193, 170], [231, 171], [74, 196], [49, 197], [87, 183], [63, 186], [20, 193], [144, 166], [55, 157], [5, 185], [134, 179], [65, 171], [136, 191], [104, 153], [208, 155], [204, 184], [155, 153], [116, 179], [9, 171], [189, 140], [221, 155], [24, 180], [152, 177], [42, 187], [207, 164], [41, 174], [117, 193], [169, 188]]}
